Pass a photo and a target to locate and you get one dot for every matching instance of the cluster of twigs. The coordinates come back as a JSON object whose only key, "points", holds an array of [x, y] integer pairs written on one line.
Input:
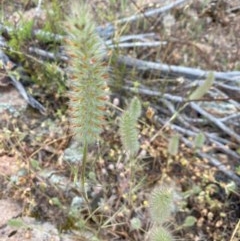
{"points": [[217, 116], [220, 129]]}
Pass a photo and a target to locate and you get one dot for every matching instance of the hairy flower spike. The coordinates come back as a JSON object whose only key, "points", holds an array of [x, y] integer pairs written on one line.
{"points": [[161, 204], [160, 233], [87, 74], [135, 108], [129, 134], [128, 129]]}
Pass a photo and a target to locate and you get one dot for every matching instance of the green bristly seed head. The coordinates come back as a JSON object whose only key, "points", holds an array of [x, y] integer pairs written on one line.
{"points": [[128, 129], [87, 74], [135, 108], [161, 204], [160, 233], [129, 133]]}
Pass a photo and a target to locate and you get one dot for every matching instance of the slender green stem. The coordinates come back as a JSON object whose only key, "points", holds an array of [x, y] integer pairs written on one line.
{"points": [[132, 175], [83, 172]]}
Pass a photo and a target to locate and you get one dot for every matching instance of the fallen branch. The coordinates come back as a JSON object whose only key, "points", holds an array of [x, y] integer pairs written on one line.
{"points": [[212, 139], [47, 55], [213, 161], [168, 102], [215, 121], [17, 84], [173, 70], [138, 44], [149, 13]]}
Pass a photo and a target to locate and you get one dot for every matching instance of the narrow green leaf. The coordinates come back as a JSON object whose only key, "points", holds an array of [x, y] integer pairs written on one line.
{"points": [[189, 221], [35, 164], [55, 201], [173, 145], [203, 89], [16, 223], [199, 140]]}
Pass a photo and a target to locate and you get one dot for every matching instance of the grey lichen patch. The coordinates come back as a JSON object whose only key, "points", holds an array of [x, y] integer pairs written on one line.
{"points": [[9, 209], [11, 102], [74, 153], [29, 229]]}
